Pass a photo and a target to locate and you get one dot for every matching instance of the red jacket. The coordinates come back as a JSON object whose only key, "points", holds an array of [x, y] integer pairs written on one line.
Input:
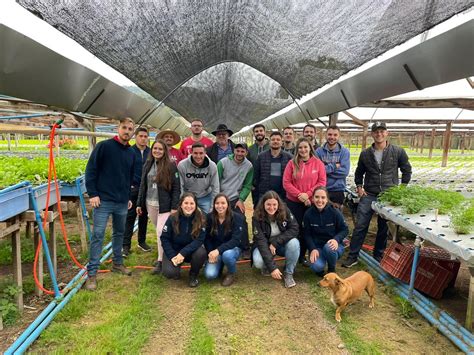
{"points": [[311, 174]]}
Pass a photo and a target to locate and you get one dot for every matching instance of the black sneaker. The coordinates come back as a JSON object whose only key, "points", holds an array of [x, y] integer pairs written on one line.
{"points": [[144, 246], [193, 280], [305, 262], [126, 251], [350, 262]]}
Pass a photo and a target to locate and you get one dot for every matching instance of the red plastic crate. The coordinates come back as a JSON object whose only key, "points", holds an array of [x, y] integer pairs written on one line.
{"points": [[436, 271]]}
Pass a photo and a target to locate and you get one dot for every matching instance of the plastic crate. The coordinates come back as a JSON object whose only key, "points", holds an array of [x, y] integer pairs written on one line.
{"points": [[431, 278], [70, 190], [397, 259], [13, 202], [41, 192]]}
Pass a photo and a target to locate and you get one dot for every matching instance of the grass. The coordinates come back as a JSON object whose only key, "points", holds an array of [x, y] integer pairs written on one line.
{"points": [[115, 319], [202, 342]]}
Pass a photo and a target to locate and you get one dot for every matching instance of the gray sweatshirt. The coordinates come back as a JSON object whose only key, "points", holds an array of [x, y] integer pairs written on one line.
{"points": [[235, 179], [202, 180]]}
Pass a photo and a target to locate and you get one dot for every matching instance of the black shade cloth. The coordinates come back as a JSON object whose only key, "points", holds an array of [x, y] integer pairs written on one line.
{"points": [[211, 54]]}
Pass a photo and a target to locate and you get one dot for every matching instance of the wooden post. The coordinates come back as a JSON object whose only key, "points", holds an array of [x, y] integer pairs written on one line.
{"points": [[349, 138], [17, 273], [16, 140], [357, 141], [463, 143], [364, 138], [321, 137], [9, 142], [333, 119], [422, 142], [39, 269], [52, 246], [446, 144], [92, 140], [399, 139], [433, 132]]}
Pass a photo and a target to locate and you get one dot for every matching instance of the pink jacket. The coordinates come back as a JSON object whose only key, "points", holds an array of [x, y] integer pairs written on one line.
{"points": [[311, 174]]}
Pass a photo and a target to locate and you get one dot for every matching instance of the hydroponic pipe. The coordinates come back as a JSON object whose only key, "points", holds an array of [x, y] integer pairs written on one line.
{"points": [[57, 293], [16, 186], [421, 308], [444, 317], [414, 266], [26, 333], [26, 116], [36, 333]]}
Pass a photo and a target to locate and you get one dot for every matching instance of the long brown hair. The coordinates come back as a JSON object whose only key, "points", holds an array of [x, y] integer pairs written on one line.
{"points": [[199, 221], [261, 214], [163, 166], [297, 159], [215, 216]]}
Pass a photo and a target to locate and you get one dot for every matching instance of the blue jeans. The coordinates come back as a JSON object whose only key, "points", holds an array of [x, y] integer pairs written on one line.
{"points": [[118, 210], [228, 258], [291, 252], [364, 216], [326, 255], [204, 203]]}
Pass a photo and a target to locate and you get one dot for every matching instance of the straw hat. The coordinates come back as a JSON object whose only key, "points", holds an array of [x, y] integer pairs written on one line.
{"points": [[176, 137]]}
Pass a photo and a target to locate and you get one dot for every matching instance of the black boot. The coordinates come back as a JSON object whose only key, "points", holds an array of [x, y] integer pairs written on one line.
{"points": [[193, 280]]}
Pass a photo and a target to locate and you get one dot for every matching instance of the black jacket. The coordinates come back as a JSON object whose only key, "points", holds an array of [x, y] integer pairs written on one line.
{"points": [[262, 171], [168, 200], [212, 151], [222, 241], [376, 180], [321, 226], [180, 243], [262, 237], [139, 163]]}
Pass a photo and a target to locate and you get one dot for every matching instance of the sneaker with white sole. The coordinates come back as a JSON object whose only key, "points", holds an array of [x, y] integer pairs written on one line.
{"points": [[145, 247], [350, 262], [289, 280]]}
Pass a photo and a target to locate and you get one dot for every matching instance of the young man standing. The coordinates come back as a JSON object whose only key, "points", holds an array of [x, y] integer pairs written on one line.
{"points": [[377, 170], [196, 129], [260, 144], [223, 146], [109, 175], [289, 140], [171, 138], [336, 159], [309, 131], [141, 151], [235, 178], [269, 168], [198, 174]]}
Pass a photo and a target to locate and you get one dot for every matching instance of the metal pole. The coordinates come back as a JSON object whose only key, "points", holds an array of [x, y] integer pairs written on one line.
{"points": [[414, 266]]}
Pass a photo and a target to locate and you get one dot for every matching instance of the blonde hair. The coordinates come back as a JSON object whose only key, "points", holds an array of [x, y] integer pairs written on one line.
{"points": [[296, 158]]}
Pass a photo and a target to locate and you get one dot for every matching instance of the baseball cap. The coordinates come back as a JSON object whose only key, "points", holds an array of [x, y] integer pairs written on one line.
{"points": [[378, 125], [241, 145]]}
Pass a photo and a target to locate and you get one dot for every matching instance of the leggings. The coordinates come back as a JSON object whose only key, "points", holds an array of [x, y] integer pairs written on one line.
{"points": [[158, 220]]}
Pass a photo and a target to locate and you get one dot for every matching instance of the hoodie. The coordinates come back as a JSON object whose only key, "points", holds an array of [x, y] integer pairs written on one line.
{"points": [[235, 179], [321, 226], [200, 180], [336, 177]]}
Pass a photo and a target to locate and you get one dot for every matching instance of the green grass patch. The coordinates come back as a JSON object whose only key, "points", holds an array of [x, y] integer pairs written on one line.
{"points": [[116, 319], [202, 342]]}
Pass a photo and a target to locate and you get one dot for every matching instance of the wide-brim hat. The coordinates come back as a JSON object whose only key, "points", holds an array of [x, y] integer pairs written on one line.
{"points": [[176, 137], [222, 127]]}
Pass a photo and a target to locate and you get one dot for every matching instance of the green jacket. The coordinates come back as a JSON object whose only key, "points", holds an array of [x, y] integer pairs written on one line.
{"points": [[235, 179]]}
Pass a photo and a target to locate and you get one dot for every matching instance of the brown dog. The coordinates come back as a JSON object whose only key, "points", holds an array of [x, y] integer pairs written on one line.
{"points": [[346, 291]]}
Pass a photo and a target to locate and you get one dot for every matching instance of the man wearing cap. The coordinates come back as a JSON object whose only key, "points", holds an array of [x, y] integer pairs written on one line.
{"points": [[171, 138], [377, 170], [223, 146], [141, 150], [197, 136], [235, 178]]}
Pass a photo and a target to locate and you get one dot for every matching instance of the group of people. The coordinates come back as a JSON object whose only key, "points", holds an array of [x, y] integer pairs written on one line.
{"points": [[195, 197]]}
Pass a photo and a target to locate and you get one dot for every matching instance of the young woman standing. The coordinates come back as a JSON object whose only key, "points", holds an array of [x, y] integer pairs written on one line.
{"points": [[302, 174], [224, 234], [159, 191]]}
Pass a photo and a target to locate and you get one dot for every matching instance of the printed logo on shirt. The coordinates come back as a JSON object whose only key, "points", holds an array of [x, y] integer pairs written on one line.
{"points": [[197, 175], [284, 224], [165, 229], [255, 231], [313, 171]]}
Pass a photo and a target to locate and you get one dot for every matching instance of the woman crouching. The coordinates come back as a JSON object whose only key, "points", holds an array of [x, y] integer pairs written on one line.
{"points": [[324, 232], [224, 234], [275, 232], [182, 239]]}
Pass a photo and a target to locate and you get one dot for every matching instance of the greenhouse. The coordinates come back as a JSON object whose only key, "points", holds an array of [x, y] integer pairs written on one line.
{"points": [[105, 108]]}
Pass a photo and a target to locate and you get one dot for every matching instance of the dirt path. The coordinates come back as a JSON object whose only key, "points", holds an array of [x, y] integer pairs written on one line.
{"points": [[258, 315], [173, 331]]}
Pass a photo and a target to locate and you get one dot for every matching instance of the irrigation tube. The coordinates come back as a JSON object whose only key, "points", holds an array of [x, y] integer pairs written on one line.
{"points": [[27, 116], [441, 315], [42, 321], [460, 336]]}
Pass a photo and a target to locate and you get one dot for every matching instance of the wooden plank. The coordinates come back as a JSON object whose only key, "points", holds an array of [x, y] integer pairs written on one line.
{"points": [[53, 247], [432, 141], [364, 138], [465, 103], [11, 228], [17, 273], [446, 144], [422, 143]]}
